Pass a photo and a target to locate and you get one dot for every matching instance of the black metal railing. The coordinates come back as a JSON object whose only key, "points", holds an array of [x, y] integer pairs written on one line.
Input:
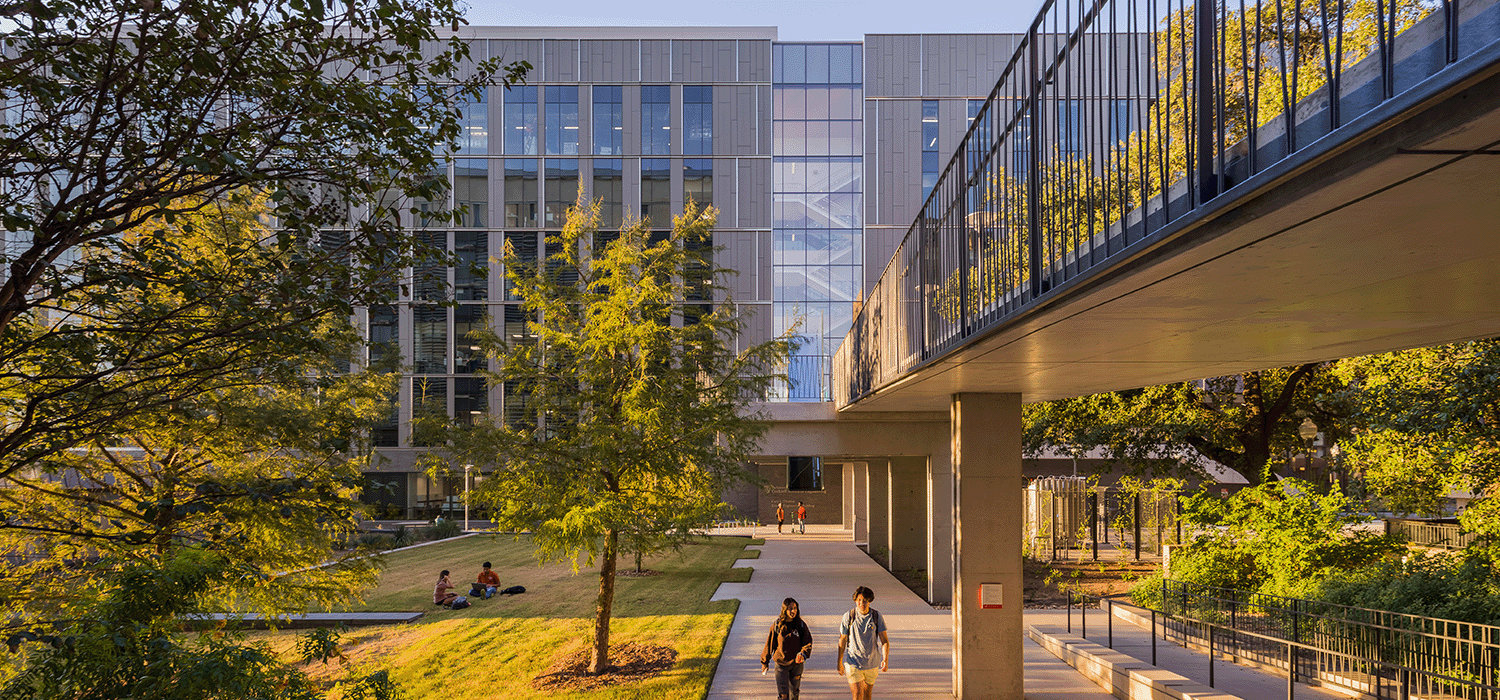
{"points": [[1115, 120], [1064, 518], [1348, 646], [1376, 670]]}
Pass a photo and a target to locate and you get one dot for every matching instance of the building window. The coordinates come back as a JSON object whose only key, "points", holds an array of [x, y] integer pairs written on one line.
{"points": [[561, 187], [656, 191], [562, 120], [429, 399], [520, 192], [698, 181], [474, 120], [471, 192], [697, 119], [929, 147], [471, 275], [430, 339], [522, 246], [385, 334], [656, 120], [430, 273], [470, 399], [609, 189], [468, 320], [609, 120], [804, 474], [520, 121]]}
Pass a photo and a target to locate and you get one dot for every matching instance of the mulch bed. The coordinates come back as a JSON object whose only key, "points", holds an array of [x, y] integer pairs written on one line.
{"points": [[632, 573], [630, 662]]}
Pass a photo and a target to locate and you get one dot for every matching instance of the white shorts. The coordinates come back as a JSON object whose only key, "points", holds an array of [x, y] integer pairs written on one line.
{"points": [[855, 675]]}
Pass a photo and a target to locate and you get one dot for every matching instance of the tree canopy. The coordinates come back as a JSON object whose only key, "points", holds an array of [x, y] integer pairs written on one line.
{"points": [[635, 400], [122, 118]]}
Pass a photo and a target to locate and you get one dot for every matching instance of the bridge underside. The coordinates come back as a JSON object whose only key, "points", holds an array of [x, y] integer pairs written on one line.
{"points": [[1391, 241]]}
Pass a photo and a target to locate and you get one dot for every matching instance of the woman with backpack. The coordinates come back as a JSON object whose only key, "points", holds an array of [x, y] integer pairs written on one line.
{"points": [[789, 645]]}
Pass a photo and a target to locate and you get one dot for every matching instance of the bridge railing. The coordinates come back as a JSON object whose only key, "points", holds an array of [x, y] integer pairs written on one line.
{"points": [[1113, 123]]}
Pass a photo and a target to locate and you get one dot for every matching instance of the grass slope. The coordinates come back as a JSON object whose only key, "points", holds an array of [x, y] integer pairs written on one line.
{"points": [[495, 648]]}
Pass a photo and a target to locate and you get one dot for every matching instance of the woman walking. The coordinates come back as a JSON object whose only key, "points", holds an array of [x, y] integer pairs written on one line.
{"points": [[789, 645]]}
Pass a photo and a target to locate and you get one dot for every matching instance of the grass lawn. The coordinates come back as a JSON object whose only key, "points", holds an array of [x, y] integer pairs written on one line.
{"points": [[496, 647]]}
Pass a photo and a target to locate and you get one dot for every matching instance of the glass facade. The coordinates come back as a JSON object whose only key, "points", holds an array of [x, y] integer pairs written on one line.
{"points": [[656, 120], [521, 121], [816, 205], [609, 120]]}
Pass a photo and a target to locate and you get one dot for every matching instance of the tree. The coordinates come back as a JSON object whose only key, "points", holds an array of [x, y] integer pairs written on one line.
{"points": [[1241, 421], [1430, 424], [1281, 539], [325, 118], [635, 402], [232, 498]]}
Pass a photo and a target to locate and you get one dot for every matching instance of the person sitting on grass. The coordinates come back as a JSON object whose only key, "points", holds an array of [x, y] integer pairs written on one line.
{"points": [[443, 594], [488, 582]]}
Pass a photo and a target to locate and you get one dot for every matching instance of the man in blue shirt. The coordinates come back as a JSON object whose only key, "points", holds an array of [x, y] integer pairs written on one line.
{"points": [[861, 638]]}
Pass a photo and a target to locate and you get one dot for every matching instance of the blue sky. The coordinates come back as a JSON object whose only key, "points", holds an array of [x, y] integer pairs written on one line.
{"points": [[797, 20]]}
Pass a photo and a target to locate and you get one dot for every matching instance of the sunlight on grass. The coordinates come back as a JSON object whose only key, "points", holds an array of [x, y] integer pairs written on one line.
{"points": [[496, 647]]}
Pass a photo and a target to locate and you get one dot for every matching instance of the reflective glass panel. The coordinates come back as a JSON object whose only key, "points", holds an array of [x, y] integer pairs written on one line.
{"points": [[562, 120], [609, 120], [521, 121]]}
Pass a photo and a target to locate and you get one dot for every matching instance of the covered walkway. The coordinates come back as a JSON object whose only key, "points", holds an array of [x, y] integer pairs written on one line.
{"points": [[821, 570]]}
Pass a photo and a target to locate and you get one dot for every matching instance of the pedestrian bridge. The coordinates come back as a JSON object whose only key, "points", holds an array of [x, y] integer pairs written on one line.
{"points": [[1135, 207], [1157, 192]]}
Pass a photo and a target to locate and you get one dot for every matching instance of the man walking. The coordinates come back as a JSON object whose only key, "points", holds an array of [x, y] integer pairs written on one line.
{"points": [[801, 518], [861, 657]]}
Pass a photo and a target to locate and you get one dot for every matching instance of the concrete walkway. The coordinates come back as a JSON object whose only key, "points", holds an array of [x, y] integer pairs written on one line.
{"points": [[821, 570], [1133, 641]]}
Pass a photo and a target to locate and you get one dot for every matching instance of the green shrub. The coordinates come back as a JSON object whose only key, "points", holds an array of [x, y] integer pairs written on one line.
{"points": [[1450, 587], [443, 529], [1147, 593]]}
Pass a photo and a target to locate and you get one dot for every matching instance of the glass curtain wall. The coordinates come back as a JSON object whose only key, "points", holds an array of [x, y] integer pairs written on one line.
{"points": [[817, 204]]}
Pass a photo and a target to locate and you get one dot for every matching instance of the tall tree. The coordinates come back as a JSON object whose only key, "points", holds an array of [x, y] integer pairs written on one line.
{"points": [[326, 116], [634, 402], [1431, 425], [1242, 421], [244, 489]]}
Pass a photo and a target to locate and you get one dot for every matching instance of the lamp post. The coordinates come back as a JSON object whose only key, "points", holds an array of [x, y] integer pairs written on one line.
{"points": [[467, 467], [1308, 430]]}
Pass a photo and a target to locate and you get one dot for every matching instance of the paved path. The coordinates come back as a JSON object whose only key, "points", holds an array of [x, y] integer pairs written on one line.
{"points": [[821, 570], [1241, 681]]}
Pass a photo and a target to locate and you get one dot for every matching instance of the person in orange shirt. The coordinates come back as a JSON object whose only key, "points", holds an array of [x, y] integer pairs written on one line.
{"points": [[780, 518], [488, 581]]}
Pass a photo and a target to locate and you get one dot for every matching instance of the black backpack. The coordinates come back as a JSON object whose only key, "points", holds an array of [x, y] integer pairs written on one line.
{"points": [[513, 590]]}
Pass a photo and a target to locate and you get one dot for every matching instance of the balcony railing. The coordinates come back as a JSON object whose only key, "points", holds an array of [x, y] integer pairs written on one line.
{"points": [[1113, 123]]}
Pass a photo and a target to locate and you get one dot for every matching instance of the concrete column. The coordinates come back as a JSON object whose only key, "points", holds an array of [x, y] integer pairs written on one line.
{"points": [[908, 512], [861, 502], [879, 510], [987, 651], [940, 526], [847, 504]]}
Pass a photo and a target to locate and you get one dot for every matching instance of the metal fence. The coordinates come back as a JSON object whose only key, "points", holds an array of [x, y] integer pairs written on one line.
{"points": [[1067, 519], [1430, 534], [1113, 122], [1373, 652]]}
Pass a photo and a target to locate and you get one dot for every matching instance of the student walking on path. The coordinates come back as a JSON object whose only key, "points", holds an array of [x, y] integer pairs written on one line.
{"points": [[801, 518], [780, 517], [789, 645], [861, 638]]}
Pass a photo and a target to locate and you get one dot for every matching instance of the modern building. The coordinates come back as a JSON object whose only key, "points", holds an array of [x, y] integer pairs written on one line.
{"points": [[817, 155]]}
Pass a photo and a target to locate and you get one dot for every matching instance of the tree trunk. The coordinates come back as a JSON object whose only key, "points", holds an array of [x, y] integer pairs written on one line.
{"points": [[638, 562], [599, 660]]}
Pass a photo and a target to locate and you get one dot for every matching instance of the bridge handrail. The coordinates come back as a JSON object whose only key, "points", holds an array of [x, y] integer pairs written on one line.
{"points": [[1137, 137]]}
